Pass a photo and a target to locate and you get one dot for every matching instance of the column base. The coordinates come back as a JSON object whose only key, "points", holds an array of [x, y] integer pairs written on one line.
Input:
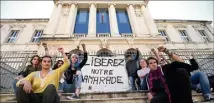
{"points": [[61, 35], [90, 35], [116, 35]]}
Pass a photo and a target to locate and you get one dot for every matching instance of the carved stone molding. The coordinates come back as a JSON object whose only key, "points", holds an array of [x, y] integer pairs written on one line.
{"points": [[159, 25], [130, 42], [65, 11], [179, 26], [18, 25], [104, 43], [197, 26], [111, 4], [138, 13], [39, 26]]}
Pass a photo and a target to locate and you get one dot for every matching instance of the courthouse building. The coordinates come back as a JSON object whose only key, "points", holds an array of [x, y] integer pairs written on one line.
{"points": [[107, 27]]}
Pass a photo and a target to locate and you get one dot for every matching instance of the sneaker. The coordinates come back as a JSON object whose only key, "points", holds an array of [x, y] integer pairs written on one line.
{"points": [[72, 97], [208, 97], [198, 90]]}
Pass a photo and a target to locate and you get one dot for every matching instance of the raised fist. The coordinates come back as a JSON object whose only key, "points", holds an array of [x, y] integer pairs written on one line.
{"points": [[83, 45], [161, 49], [61, 50], [44, 45]]}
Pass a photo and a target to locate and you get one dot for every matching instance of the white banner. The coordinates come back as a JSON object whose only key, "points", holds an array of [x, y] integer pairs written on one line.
{"points": [[104, 74]]}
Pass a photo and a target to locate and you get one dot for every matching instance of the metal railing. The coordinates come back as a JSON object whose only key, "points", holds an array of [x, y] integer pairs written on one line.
{"points": [[14, 62]]}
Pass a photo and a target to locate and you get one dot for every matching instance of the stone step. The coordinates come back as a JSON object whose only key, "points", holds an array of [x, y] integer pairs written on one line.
{"points": [[111, 97], [93, 95], [102, 100]]}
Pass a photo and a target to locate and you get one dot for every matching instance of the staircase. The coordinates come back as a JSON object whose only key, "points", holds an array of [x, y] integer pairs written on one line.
{"points": [[110, 97], [7, 75]]}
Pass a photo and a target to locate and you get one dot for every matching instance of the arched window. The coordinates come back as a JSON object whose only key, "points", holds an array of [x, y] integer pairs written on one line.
{"points": [[78, 52], [104, 53], [131, 52]]}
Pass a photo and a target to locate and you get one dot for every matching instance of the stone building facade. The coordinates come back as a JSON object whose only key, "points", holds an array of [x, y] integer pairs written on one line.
{"points": [[108, 27]]}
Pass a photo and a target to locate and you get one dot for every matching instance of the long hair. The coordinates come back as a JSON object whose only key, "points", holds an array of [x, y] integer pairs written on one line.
{"points": [[39, 59], [56, 65], [144, 60]]}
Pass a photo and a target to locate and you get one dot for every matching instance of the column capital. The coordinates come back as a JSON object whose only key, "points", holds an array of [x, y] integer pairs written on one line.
{"points": [[90, 4], [73, 3], [130, 4], [65, 4], [143, 4], [111, 4], [59, 3]]}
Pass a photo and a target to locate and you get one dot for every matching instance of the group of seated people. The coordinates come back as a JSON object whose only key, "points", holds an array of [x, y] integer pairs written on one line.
{"points": [[40, 83], [167, 82]]}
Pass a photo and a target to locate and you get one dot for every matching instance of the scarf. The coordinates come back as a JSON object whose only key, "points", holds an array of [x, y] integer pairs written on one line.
{"points": [[155, 75]]}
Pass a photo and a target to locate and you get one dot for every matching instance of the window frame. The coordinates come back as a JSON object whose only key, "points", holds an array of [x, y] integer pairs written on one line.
{"points": [[77, 23], [167, 39], [205, 35], [128, 24], [10, 34], [106, 22], [34, 33], [182, 37]]}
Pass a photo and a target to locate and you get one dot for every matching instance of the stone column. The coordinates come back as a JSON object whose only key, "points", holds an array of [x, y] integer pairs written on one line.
{"points": [[53, 24], [149, 21], [135, 25], [92, 20], [209, 27], [193, 35], [113, 20], [69, 28], [51, 20]]}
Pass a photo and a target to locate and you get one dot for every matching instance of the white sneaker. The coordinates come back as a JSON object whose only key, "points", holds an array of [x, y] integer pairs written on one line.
{"points": [[72, 97], [69, 97]]}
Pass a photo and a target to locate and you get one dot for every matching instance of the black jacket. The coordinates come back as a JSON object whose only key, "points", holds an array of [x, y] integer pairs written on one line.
{"points": [[29, 69], [131, 66], [69, 72], [176, 75]]}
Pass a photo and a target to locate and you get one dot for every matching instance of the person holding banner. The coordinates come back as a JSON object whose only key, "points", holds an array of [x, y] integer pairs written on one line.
{"points": [[41, 86], [74, 74], [168, 83], [131, 67]]}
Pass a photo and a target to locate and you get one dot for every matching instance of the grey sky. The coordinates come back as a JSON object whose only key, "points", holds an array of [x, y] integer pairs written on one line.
{"points": [[191, 10]]}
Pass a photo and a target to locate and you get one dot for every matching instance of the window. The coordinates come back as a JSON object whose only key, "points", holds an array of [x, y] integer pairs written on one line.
{"points": [[104, 53], [204, 35], [13, 35], [163, 33], [103, 21], [81, 25], [184, 35], [37, 34], [123, 21]]}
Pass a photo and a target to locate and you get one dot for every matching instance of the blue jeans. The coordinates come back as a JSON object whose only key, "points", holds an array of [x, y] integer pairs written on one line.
{"points": [[201, 78], [14, 85], [78, 81], [61, 85], [68, 88], [132, 83]]}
